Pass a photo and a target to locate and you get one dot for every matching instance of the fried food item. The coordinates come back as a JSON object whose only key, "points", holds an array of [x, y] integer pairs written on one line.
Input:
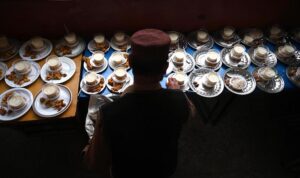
{"points": [[64, 49], [87, 60], [126, 56], [115, 86], [55, 75], [292, 71], [5, 98], [18, 79], [98, 87], [29, 52], [1, 72], [196, 84], [56, 104], [2, 111], [103, 47]]}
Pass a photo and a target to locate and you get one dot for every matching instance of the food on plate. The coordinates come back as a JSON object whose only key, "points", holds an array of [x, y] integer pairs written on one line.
{"points": [[56, 104], [120, 60], [228, 33], [37, 44], [93, 82], [18, 79], [55, 75], [210, 80], [118, 79], [237, 52], [121, 40], [202, 36], [212, 58], [237, 83], [178, 59], [51, 91], [100, 42], [87, 60], [16, 102], [54, 63], [64, 49], [5, 98], [98, 58], [260, 53], [286, 51], [71, 40]]}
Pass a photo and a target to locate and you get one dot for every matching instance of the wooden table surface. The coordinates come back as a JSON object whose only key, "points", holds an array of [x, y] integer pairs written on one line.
{"points": [[72, 84]]}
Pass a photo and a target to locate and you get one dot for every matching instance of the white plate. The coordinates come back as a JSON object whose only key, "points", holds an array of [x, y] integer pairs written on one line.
{"points": [[40, 55], [68, 67], [198, 76], [96, 69], [188, 65], [40, 109], [128, 82], [3, 67], [33, 75], [200, 57], [110, 62], [193, 43], [186, 81], [226, 44], [270, 61], [243, 64], [92, 46], [83, 89], [75, 51], [275, 85], [20, 113], [115, 47], [236, 72], [14, 50]]}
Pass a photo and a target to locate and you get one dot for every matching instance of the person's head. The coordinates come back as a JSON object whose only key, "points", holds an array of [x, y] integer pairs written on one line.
{"points": [[150, 49]]}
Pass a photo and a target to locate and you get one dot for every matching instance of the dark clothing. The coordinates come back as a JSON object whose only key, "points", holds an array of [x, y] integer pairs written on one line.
{"points": [[142, 131]]}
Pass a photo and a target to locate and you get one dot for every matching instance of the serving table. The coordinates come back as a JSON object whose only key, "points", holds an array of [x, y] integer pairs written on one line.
{"points": [[72, 84]]}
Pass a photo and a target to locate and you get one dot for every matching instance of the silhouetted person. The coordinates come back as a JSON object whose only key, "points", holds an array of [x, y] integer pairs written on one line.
{"points": [[137, 135]]}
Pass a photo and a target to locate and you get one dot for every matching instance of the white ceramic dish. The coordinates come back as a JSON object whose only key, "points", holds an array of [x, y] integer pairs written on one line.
{"points": [[40, 55], [17, 114], [68, 67], [92, 46], [84, 90], [33, 75], [77, 50], [96, 69], [41, 110]]}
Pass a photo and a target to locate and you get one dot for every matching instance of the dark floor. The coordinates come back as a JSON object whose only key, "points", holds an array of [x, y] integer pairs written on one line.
{"points": [[243, 144]]}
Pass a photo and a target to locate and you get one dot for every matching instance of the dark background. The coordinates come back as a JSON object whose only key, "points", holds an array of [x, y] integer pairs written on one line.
{"points": [[24, 18]]}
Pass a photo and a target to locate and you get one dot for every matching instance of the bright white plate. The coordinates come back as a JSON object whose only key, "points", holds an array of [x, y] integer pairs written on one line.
{"points": [[83, 89], [3, 67], [128, 82], [110, 62], [92, 46], [40, 55], [75, 51], [98, 69], [40, 109], [33, 76], [17, 114], [68, 67]]}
